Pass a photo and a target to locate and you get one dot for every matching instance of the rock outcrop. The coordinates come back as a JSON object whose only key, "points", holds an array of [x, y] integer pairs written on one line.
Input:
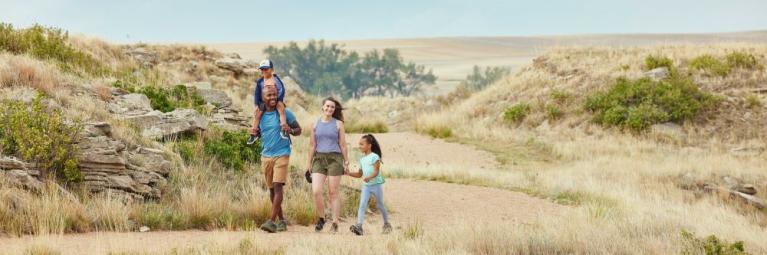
{"points": [[154, 124], [108, 164], [238, 66], [724, 186]]}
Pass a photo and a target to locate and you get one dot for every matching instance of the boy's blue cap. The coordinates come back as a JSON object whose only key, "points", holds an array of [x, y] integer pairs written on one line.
{"points": [[265, 64]]}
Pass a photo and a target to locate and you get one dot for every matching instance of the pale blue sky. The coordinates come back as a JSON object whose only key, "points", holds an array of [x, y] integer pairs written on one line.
{"points": [[252, 21]]}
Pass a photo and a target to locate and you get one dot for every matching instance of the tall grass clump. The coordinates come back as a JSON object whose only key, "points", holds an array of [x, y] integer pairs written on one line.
{"points": [[638, 104], [710, 64], [35, 133], [652, 62], [517, 112], [48, 44]]}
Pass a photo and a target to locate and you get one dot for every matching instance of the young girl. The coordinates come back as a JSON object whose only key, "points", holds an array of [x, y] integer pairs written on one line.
{"points": [[370, 166]]}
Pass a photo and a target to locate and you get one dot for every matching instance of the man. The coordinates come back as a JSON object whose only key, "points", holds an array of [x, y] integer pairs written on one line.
{"points": [[275, 156]]}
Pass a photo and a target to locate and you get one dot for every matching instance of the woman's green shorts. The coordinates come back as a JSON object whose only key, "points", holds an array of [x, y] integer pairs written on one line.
{"points": [[330, 164]]}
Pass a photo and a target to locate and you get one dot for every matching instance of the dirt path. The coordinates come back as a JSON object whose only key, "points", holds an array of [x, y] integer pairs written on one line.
{"points": [[433, 204]]}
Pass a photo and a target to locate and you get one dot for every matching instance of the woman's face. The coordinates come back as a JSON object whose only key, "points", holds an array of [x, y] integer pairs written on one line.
{"points": [[364, 146], [328, 108]]}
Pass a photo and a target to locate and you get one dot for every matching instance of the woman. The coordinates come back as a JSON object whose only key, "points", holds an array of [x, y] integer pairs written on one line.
{"points": [[328, 160]]}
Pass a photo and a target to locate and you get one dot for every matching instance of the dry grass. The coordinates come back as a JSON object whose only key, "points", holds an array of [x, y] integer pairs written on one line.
{"points": [[623, 182]]}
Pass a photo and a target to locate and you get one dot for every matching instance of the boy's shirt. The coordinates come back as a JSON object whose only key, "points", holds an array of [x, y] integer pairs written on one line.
{"points": [[260, 88]]}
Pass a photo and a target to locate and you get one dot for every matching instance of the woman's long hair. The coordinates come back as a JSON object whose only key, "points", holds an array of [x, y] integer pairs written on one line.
{"points": [[337, 114], [374, 146]]}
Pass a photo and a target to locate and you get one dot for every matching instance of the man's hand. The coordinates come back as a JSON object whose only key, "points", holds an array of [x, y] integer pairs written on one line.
{"points": [[294, 129], [367, 179]]}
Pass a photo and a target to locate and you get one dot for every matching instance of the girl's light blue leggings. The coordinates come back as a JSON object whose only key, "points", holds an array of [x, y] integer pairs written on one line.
{"points": [[377, 191]]}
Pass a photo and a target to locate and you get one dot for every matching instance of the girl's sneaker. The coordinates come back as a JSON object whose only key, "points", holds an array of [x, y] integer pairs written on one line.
{"points": [[334, 227], [320, 225], [356, 229], [386, 228]]}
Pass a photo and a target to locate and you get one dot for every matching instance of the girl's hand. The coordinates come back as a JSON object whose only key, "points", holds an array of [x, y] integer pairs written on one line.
{"points": [[367, 179], [346, 171]]}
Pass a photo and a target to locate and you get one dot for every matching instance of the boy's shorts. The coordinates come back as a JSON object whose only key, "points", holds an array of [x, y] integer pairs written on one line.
{"points": [[275, 169], [330, 164]]}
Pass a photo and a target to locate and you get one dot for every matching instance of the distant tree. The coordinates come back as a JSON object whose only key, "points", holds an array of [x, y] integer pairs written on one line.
{"points": [[323, 69], [318, 68], [480, 79]]}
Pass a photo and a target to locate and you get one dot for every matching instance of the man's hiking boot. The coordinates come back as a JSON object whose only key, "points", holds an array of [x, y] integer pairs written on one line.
{"points": [[334, 227], [356, 229], [320, 225], [386, 228], [269, 226], [282, 226]]}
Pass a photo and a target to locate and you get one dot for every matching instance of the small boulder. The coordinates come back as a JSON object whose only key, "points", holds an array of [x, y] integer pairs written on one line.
{"points": [[659, 73]]}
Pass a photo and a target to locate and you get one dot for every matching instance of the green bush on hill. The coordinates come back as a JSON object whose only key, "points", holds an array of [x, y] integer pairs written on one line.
{"points": [[48, 43], [517, 113], [710, 245], [166, 99], [37, 134], [652, 62], [228, 147], [742, 60], [638, 104], [733, 60], [708, 63]]}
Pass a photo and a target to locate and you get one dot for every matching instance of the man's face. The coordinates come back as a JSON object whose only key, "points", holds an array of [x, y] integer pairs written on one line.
{"points": [[270, 96], [266, 72]]}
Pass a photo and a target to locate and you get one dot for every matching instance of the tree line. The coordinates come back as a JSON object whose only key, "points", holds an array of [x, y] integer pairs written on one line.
{"points": [[327, 69]]}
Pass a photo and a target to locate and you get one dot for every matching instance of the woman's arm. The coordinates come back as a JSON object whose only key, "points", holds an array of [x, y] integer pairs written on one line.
{"points": [[312, 146], [342, 142], [376, 170]]}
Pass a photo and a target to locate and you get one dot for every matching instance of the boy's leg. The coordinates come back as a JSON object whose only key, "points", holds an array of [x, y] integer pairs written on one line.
{"points": [[256, 120], [364, 198], [377, 191], [283, 118]]}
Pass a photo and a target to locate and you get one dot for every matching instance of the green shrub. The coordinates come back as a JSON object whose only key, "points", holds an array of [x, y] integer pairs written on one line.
{"points": [[753, 101], [166, 99], [48, 43], [709, 64], [560, 96], [35, 133], [553, 112], [711, 245], [231, 150], [742, 60], [367, 127], [440, 132], [652, 62], [517, 112], [637, 104]]}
